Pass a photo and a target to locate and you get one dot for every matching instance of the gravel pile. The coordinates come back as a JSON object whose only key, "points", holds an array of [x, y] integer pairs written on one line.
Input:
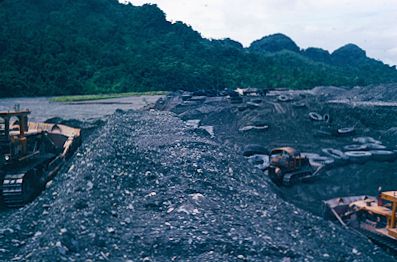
{"points": [[147, 187]]}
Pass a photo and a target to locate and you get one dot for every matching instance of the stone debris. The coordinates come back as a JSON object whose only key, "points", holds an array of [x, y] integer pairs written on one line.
{"points": [[145, 187]]}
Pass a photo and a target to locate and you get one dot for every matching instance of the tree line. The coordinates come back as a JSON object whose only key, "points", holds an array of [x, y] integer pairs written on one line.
{"points": [[69, 47]]}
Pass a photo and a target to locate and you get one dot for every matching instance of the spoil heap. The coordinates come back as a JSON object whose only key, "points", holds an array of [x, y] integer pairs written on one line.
{"points": [[148, 187]]}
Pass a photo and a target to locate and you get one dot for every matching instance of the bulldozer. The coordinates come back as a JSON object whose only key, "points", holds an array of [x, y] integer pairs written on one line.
{"points": [[287, 166], [30, 155], [371, 216]]}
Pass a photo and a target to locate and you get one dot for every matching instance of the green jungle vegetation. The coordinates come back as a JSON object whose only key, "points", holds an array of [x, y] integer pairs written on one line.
{"points": [[78, 98], [79, 47]]}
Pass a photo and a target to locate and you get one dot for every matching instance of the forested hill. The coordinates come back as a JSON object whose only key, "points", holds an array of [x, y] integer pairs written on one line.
{"points": [[67, 47]]}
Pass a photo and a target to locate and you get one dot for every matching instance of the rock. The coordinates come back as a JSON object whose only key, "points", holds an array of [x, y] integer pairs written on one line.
{"points": [[4, 231], [80, 204], [61, 249], [37, 234], [48, 184], [110, 230], [151, 194], [209, 130], [195, 123], [198, 98], [90, 185], [206, 195], [251, 105], [197, 196], [253, 128]]}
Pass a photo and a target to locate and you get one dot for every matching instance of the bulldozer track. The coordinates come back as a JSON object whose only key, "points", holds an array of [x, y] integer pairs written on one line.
{"points": [[19, 189], [12, 189]]}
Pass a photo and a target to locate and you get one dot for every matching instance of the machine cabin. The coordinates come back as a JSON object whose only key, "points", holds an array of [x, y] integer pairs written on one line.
{"points": [[391, 196], [22, 117], [13, 132], [286, 157]]}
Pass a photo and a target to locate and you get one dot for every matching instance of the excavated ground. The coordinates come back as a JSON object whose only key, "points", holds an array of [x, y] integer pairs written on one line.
{"points": [[147, 187], [289, 124]]}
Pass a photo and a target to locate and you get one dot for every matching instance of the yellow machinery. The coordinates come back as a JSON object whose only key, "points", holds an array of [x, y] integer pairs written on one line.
{"points": [[391, 219], [30, 155], [383, 209], [287, 166], [375, 217]]}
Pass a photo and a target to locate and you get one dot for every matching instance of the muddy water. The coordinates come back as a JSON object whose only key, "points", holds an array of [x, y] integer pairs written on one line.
{"points": [[42, 109]]}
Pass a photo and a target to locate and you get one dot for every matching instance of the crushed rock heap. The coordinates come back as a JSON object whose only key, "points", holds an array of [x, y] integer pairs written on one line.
{"points": [[148, 187]]}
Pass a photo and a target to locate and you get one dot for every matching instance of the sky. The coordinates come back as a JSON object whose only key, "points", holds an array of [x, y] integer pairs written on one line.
{"points": [[328, 24]]}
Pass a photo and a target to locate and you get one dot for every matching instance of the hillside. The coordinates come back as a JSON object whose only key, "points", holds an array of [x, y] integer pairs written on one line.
{"points": [[68, 47]]}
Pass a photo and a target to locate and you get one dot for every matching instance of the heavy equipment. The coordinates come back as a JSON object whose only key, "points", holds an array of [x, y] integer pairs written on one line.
{"points": [[372, 216], [30, 155], [288, 166]]}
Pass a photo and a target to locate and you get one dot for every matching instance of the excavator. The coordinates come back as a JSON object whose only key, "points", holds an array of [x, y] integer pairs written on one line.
{"points": [[30, 155]]}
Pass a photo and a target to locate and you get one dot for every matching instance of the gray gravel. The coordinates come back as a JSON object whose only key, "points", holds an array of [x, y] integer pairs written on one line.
{"points": [[147, 187]]}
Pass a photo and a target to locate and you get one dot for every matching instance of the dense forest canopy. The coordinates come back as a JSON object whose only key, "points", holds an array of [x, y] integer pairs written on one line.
{"points": [[68, 47]]}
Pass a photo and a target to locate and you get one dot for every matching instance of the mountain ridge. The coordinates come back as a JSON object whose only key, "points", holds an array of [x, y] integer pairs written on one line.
{"points": [[102, 46]]}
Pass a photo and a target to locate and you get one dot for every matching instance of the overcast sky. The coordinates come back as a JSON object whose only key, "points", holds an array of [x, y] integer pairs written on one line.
{"points": [[329, 24]]}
